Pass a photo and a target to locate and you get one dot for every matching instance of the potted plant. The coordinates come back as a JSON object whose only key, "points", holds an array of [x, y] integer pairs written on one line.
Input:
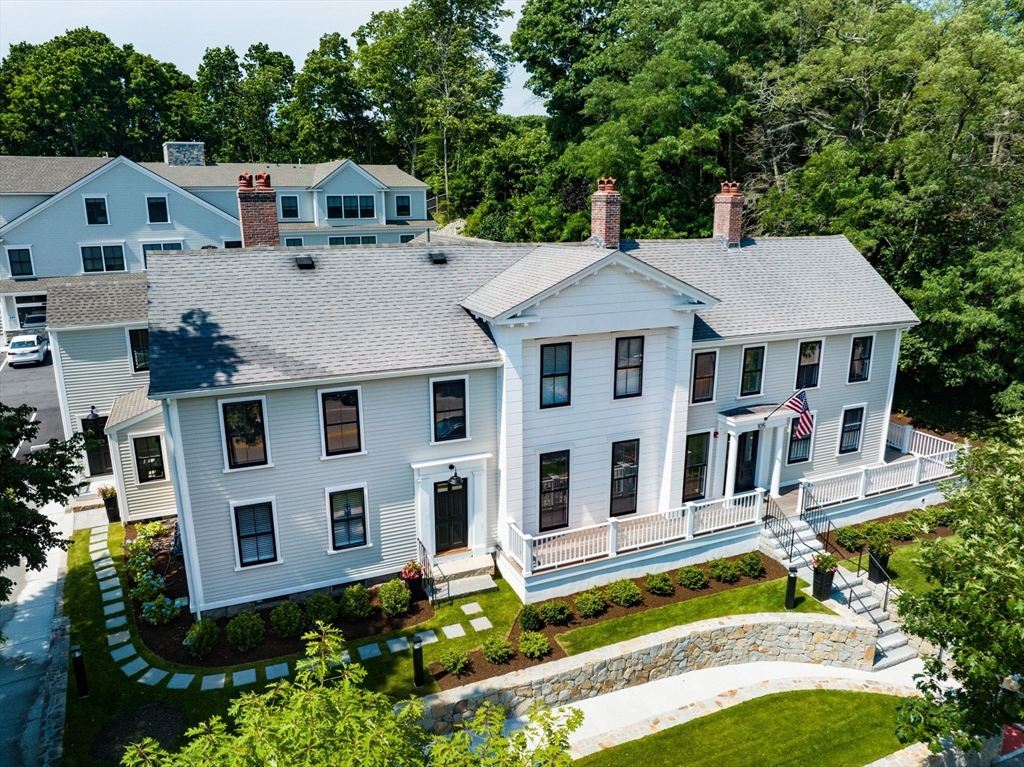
{"points": [[879, 549], [825, 566], [412, 574], [109, 495]]}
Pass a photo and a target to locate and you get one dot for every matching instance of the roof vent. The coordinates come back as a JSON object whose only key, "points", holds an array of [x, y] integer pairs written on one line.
{"points": [[208, 247], [438, 258], [305, 262]]}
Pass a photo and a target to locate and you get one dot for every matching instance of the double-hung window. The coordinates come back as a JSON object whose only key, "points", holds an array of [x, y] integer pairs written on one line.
{"points": [[348, 518], [555, 374], [245, 435], [554, 490], [695, 472], [449, 403], [704, 376], [625, 460], [289, 206], [20, 261], [103, 258], [138, 342], [860, 359], [96, 211], [154, 247], [799, 449], [334, 206], [366, 208], [351, 206], [629, 367], [853, 427], [254, 529], [149, 459], [403, 206], [156, 208], [752, 374], [808, 365], [342, 433]]}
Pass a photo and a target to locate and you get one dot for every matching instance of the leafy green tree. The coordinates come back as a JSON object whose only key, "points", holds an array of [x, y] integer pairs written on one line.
{"points": [[975, 611], [326, 716], [46, 475]]}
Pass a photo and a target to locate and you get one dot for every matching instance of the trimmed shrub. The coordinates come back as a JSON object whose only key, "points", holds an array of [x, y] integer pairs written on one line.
{"points": [[752, 564], [321, 607], [872, 529], [147, 587], [394, 598], [624, 593], [160, 611], [850, 538], [555, 613], [454, 662], [899, 529], [286, 620], [942, 516], [659, 584], [693, 578], [878, 542], [201, 637], [529, 618], [139, 565], [245, 631], [723, 570], [921, 521], [151, 530], [355, 603], [140, 547], [590, 603], [534, 645], [497, 650]]}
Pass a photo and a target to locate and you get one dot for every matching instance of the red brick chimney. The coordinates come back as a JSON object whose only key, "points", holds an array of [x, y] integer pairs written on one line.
{"points": [[257, 211], [729, 213], [605, 211]]}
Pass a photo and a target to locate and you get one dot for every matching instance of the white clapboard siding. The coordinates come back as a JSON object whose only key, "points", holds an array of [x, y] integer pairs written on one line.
{"points": [[148, 499]]}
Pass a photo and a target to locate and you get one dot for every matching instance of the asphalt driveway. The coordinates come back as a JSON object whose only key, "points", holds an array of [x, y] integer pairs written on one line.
{"points": [[34, 385]]}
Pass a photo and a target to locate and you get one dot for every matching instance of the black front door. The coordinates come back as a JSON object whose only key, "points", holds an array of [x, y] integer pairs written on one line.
{"points": [[98, 449], [746, 462], [451, 517]]}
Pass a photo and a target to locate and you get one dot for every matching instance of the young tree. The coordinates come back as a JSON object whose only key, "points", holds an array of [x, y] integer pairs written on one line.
{"points": [[975, 610], [43, 476], [326, 716]]}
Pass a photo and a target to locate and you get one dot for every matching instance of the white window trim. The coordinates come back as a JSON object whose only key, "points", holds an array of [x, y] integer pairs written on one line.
{"points": [[280, 208], [397, 214], [693, 375], [106, 205], [789, 438], [327, 207], [104, 243], [163, 456], [709, 478], [433, 421], [568, 490], [366, 516], [232, 505], [863, 426], [821, 362], [31, 260], [764, 369], [224, 437], [128, 342], [323, 427], [287, 245], [871, 358], [167, 204]]}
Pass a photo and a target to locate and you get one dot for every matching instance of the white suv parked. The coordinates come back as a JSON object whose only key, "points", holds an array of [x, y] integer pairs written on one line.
{"points": [[26, 350]]}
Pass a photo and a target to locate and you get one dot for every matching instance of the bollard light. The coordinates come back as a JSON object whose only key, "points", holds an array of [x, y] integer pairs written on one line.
{"points": [[417, 661], [791, 589], [79, 665]]}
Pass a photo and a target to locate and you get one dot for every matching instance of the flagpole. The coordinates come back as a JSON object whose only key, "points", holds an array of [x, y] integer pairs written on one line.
{"points": [[764, 423]]}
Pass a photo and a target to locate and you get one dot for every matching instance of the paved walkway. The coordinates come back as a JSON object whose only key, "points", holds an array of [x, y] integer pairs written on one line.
{"points": [[619, 717]]}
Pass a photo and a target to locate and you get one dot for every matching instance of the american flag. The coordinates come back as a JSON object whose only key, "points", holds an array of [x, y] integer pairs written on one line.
{"points": [[798, 404]]}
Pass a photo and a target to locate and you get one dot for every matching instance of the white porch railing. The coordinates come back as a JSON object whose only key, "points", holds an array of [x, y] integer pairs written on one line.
{"points": [[907, 439], [534, 553]]}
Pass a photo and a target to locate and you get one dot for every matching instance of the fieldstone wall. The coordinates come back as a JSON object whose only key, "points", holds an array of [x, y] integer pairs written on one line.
{"points": [[55, 684], [817, 639]]}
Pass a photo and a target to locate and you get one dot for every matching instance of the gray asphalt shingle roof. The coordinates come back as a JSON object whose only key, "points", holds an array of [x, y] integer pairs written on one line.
{"points": [[129, 405], [281, 174], [44, 175], [94, 299]]}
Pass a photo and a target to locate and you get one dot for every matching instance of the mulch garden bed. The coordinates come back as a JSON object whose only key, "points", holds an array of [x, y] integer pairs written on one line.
{"points": [[845, 553], [166, 641], [480, 668]]}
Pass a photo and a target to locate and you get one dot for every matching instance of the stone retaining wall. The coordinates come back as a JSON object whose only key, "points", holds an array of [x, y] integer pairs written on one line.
{"points": [[803, 638], [918, 755], [55, 683]]}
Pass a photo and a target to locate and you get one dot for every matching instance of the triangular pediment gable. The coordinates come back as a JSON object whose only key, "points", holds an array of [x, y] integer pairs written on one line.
{"points": [[350, 166]]}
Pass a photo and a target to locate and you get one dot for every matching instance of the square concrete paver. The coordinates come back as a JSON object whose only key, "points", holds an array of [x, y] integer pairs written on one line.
{"points": [[100, 553], [472, 608], [481, 624], [368, 651], [104, 564], [213, 682], [109, 583], [455, 630], [276, 671], [119, 637], [113, 609], [123, 653], [245, 676], [153, 676], [180, 681], [98, 546], [345, 658], [426, 637], [110, 596], [108, 572], [116, 623], [398, 644], [134, 667]]}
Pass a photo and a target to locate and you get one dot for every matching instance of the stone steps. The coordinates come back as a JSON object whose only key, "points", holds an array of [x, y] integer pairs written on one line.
{"points": [[891, 642], [894, 658]]}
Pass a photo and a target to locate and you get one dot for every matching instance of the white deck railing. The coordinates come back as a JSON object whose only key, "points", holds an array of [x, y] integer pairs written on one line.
{"points": [[534, 553]]}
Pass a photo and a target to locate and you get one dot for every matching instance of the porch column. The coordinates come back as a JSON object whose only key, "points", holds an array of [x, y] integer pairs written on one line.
{"points": [[780, 442], [730, 465], [718, 467]]}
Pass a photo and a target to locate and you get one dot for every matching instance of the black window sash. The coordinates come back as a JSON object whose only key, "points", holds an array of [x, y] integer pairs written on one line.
{"points": [[753, 371], [21, 262], [554, 490], [629, 367], [625, 468], [254, 528], [348, 519], [96, 211], [342, 432], [92, 258], [351, 204], [704, 364], [808, 365], [289, 207], [403, 205], [156, 207], [853, 423], [334, 207], [860, 359], [139, 340], [149, 459], [799, 449], [695, 471], [449, 409], [246, 442], [366, 206], [555, 375]]}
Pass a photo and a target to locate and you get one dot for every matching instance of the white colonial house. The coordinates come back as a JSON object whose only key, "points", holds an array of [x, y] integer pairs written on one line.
{"points": [[579, 413]]}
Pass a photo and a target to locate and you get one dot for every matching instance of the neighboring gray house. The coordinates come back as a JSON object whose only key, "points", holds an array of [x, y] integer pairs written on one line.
{"points": [[583, 412]]}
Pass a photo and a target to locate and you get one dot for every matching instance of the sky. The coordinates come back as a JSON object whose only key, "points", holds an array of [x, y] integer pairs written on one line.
{"points": [[181, 30]]}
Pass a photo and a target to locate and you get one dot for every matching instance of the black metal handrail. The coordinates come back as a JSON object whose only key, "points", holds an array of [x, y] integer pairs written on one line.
{"points": [[889, 588], [779, 525], [431, 571]]}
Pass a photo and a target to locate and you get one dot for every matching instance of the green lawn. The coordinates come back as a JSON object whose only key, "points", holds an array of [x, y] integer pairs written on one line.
{"points": [[758, 598], [906, 574], [790, 729]]}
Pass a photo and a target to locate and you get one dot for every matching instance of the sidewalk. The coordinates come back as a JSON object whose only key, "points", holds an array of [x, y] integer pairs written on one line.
{"points": [[26, 620]]}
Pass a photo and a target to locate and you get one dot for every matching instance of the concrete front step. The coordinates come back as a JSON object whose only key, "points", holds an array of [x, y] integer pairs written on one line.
{"points": [[879, 616], [887, 627], [861, 606], [891, 642], [466, 567], [894, 658], [462, 587]]}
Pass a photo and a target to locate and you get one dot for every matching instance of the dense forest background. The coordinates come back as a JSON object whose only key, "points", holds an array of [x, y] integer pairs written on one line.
{"points": [[898, 124]]}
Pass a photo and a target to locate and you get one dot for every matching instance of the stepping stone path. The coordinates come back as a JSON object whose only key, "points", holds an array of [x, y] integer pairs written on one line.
{"points": [[110, 596], [368, 651], [117, 622], [481, 624], [119, 638], [455, 630], [123, 653], [213, 682], [472, 608], [276, 671], [153, 676], [117, 607], [426, 637], [398, 645], [109, 583], [180, 681], [134, 667], [246, 676], [108, 572]]}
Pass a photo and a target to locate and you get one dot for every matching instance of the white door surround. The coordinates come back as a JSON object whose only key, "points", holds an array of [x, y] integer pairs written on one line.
{"points": [[770, 452], [428, 473]]}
